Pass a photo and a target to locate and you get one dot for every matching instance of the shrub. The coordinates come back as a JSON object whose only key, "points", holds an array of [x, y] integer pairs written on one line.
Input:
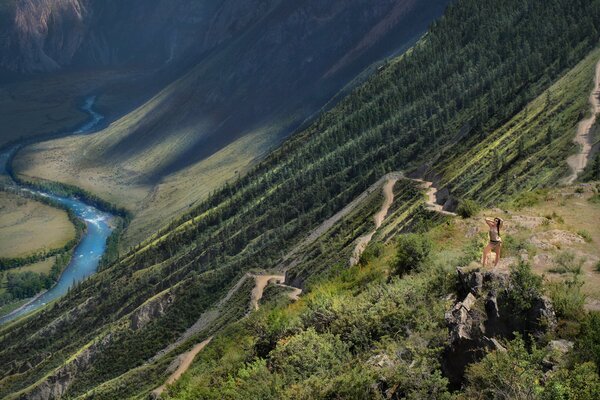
{"points": [[529, 198], [307, 354], [520, 374], [567, 298], [511, 374], [580, 383], [467, 208], [413, 251], [598, 266], [587, 346], [373, 251], [525, 287], [567, 262], [585, 235]]}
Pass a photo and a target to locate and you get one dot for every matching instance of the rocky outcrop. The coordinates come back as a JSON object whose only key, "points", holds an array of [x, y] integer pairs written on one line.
{"points": [[56, 384], [42, 35], [485, 317], [151, 310]]}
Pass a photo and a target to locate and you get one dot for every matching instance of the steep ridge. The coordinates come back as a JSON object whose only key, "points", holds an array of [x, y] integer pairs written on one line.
{"points": [[290, 260], [312, 176]]}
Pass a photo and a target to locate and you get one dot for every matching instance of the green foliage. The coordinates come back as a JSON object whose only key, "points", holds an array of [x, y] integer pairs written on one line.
{"points": [[567, 298], [585, 235], [587, 346], [372, 252], [529, 198], [592, 171], [514, 374], [413, 252], [580, 383], [525, 287], [567, 262], [467, 208], [308, 354], [595, 198], [520, 374]]}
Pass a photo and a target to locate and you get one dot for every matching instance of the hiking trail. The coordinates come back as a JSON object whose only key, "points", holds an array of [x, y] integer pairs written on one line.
{"points": [[363, 241], [577, 162]]}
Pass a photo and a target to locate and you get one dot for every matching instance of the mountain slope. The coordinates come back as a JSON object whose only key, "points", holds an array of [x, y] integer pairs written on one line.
{"points": [[460, 82], [257, 84]]}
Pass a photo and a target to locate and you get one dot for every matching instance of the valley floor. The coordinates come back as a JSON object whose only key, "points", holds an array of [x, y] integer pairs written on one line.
{"points": [[28, 227]]}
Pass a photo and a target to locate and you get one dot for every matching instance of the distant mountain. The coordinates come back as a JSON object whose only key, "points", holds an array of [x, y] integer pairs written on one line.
{"points": [[46, 35], [243, 67]]}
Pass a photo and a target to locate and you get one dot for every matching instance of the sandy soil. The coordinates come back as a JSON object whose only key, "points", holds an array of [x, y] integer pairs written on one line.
{"points": [[578, 162], [27, 226]]}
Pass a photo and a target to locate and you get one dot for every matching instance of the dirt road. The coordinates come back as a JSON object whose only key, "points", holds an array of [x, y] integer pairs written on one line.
{"points": [[578, 162], [290, 260], [259, 287], [185, 360], [363, 241], [431, 202]]}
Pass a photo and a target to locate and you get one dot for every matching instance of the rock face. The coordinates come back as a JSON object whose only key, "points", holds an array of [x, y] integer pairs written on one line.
{"points": [[151, 310], [57, 383], [484, 317]]}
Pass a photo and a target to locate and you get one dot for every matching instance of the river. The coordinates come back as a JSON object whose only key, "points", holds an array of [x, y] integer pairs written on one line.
{"points": [[90, 249]]}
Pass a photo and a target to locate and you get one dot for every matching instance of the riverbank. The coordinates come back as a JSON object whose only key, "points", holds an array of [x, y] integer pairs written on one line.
{"points": [[97, 225]]}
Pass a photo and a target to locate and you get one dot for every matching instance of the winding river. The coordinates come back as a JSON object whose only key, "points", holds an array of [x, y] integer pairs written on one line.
{"points": [[88, 252]]}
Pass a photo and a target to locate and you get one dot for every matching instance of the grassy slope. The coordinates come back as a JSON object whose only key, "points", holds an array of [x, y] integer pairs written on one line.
{"points": [[20, 233], [404, 327], [251, 223]]}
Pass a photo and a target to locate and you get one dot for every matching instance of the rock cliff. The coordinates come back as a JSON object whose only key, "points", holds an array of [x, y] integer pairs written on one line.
{"points": [[487, 314]]}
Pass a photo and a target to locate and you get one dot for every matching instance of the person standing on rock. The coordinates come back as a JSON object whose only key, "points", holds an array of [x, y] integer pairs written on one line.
{"points": [[495, 243]]}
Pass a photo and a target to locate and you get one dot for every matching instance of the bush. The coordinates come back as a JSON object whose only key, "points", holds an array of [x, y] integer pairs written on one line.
{"points": [[585, 235], [373, 251], [520, 374], [525, 288], [588, 345], [307, 354], [413, 251], [511, 374], [580, 383], [529, 198], [567, 262], [467, 208], [567, 298]]}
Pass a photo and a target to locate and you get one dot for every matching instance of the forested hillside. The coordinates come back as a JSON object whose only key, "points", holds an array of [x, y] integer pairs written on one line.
{"points": [[480, 71]]}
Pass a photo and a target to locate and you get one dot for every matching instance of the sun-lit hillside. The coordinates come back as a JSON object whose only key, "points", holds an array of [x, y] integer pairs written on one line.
{"points": [[344, 261]]}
